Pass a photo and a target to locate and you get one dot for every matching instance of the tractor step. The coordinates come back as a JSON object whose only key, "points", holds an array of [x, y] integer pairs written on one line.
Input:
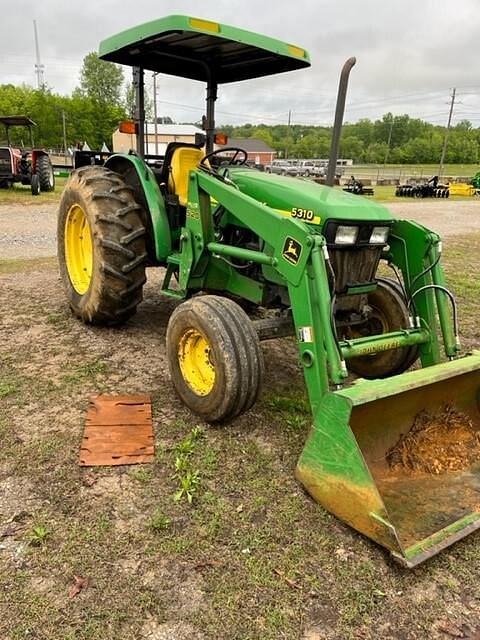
{"points": [[173, 263]]}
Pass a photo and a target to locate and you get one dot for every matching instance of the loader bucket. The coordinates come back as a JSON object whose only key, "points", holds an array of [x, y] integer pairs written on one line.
{"points": [[344, 462]]}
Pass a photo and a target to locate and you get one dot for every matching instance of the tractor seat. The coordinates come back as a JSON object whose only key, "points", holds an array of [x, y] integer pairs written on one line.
{"points": [[180, 159]]}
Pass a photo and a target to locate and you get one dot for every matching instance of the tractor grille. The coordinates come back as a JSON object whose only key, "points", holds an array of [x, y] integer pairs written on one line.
{"points": [[5, 161], [354, 266]]}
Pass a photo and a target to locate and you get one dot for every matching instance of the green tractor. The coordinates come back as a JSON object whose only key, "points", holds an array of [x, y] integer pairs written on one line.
{"points": [[476, 181], [225, 234]]}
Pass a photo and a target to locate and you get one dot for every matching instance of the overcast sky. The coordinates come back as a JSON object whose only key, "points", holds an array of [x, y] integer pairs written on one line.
{"points": [[410, 53]]}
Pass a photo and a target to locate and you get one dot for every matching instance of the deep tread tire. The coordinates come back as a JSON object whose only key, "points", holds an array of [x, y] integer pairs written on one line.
{"points": [[35, 185], [388, 298], [45, 174], [118, 238], [235, 351]]}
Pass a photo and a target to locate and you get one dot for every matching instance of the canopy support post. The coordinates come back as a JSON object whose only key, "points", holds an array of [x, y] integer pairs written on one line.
{"points": [[210, 120], [139, 116]]}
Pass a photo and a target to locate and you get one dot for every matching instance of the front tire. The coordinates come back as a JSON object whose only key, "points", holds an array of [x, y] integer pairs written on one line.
{"points": [[101, 246], [35, 185], [45, 174], [214, 356], [389, 313]]}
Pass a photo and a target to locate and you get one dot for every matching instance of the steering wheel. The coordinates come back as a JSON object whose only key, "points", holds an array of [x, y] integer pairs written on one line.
{"points": [[231, 160]]}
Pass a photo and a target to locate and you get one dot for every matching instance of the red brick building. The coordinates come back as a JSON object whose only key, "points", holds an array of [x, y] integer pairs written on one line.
{"points": [[258, 151]]}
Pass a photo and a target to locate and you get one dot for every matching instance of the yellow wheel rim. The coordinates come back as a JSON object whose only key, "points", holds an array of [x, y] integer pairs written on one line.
{"points": [[194, 357], [78, 249]]}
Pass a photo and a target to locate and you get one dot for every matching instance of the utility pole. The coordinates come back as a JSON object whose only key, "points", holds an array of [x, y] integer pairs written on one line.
{"points": [[155, 123], [388, 143], [39, 67], [64, 135], [445, 140], [288, 131]]}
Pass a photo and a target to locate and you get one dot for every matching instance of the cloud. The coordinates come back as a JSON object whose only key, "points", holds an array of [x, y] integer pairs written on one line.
{"points": [[409, 54]]}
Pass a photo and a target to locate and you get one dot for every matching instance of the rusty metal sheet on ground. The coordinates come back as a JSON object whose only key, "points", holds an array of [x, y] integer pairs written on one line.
{"points": [[118, 430]]}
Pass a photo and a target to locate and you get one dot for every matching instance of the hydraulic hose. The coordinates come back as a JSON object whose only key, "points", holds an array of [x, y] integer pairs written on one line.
{"points": [[451, 297]]}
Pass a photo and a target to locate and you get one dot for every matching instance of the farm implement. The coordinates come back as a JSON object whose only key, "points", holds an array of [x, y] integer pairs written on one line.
{"points": [[429, 189], [358, 188], [223, 232]]}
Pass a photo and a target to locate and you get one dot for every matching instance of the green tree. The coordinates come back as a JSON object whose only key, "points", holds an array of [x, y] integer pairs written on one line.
{"points": [[102, 81]]}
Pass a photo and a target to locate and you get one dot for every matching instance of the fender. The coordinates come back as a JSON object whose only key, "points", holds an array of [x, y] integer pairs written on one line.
{"points": [[36, 153], [147, 193]]}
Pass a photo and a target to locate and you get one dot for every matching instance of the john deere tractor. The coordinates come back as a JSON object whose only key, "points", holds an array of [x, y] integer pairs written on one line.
{"points": [[224, 233]]}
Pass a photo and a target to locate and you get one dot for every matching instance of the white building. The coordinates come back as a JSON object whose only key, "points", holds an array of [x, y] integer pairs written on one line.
{"points": [[123, 142]]}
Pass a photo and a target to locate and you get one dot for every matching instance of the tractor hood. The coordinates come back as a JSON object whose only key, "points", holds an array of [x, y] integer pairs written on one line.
{"points": [[305, 199]]}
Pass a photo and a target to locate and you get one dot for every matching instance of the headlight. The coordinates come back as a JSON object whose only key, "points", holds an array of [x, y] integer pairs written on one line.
{"points": [[379, 235], [346, 235]]}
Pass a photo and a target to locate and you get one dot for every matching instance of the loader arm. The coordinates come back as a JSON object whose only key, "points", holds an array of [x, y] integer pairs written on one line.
{"points": [[299, 255], [343, 462]]}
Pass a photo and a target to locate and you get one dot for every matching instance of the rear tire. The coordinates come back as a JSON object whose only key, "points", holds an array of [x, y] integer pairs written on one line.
{"points": [[391, 314], [215, 358], [101, 246], [45, 173]]}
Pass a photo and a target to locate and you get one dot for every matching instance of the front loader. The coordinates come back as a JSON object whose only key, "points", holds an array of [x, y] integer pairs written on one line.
{"points": [[312, 254]]}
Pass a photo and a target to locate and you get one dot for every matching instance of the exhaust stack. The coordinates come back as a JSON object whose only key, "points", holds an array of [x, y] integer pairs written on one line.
{"points": [[337, 127]]}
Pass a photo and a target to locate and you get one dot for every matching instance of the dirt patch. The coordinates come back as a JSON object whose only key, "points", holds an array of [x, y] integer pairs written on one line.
{"points": [[216, 568], [445, 441], [152, 630], [28, 231]]}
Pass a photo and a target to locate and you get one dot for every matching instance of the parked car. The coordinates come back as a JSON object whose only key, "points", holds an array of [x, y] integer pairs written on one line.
{"points": [[282, 167], [311, 168]]}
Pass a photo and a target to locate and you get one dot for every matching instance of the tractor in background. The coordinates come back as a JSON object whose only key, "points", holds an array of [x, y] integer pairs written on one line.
{"points": [[28, 166], [476, 182]]}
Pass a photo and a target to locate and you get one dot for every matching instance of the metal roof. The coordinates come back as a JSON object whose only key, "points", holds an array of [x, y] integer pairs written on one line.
{"points": [[17, 121], [252, 145], [199, 49]]}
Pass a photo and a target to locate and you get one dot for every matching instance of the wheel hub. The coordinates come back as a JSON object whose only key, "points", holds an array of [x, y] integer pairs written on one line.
{"points": [[194, 357], [78, 249]]}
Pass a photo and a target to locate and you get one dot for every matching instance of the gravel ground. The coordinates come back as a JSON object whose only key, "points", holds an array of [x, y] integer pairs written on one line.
{"points": [[29, 231]]}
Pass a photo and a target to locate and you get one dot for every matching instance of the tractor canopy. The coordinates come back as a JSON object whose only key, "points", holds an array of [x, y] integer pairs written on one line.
{"points": [[202, 50], [17, 121]]}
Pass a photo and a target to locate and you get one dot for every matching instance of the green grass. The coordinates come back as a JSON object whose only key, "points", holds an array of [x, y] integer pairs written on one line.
{"points": [[86, 371], [23, 265], [20, 194]]}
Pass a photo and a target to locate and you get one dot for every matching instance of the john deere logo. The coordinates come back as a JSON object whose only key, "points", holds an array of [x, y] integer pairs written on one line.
{"points": [[292, 250]]}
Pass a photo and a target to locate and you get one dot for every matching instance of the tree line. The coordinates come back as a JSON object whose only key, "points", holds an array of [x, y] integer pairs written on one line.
{"points": [[395, 139], [100, 101], [91, 112]]}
